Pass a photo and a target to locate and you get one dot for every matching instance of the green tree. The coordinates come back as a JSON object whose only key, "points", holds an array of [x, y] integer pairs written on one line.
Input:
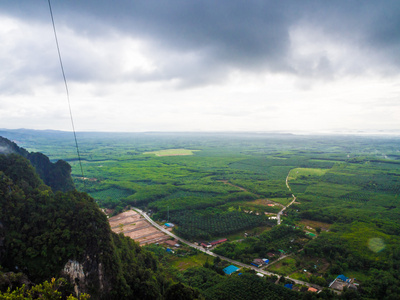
{"points": [[46, 290]]}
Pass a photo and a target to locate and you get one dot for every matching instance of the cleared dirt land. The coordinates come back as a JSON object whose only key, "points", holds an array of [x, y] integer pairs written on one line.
{"points": [[311, 225], [133, 225], [172, 152]]}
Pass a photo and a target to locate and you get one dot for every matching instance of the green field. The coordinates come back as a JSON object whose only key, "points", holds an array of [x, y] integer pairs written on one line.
{"points": [[303, 172], [284, 267], [350, 183], [283, 201], [183, 263], [172, 152]]}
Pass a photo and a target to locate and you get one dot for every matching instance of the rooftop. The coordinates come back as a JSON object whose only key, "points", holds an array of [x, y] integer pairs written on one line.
{"points": [[231, 269]]}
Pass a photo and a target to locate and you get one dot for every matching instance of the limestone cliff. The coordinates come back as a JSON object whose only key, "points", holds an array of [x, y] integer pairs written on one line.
{"points": [[45, 234]]}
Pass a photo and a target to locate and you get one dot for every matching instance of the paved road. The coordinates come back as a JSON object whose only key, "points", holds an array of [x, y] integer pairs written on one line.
{"points": [[168, 232], [238, 263]]}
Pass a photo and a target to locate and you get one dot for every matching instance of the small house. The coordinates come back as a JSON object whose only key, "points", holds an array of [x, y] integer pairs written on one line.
{"points": [[343, 278], [231, 269], [216, 242], [289, 286], [342, 281], [258, 262]]}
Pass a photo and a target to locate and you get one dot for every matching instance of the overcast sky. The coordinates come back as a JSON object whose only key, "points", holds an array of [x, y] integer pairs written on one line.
{"points": [[191, 65]]}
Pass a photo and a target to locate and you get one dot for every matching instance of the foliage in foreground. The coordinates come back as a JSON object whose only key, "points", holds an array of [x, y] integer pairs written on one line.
{"points": [[46, 290], [41, 231]]}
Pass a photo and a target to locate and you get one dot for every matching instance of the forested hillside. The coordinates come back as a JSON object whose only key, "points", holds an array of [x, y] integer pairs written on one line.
{"points": [[56, 175], [342, 219], [46, 234]]}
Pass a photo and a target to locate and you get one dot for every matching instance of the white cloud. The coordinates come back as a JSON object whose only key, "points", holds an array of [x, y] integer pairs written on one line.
{"points": [[233, 79]]}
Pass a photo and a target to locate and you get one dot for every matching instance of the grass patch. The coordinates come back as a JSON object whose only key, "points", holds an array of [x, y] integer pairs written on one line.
{"points": [[183, 263], [303, 172], [172, 152], [284, 267], [265, 202], [283, 201], [315, 224], [299, 276]]}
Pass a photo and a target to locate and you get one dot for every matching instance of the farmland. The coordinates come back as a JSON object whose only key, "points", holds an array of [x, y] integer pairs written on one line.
{"points": [[133, 225], [347, 192], [172, 152]]}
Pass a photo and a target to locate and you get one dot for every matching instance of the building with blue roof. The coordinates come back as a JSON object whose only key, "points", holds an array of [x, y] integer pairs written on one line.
{"points": [[231, 269], [289, 286], [341, 282]]}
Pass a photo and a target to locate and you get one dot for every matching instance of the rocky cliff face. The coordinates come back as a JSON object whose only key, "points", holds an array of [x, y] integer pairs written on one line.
{"points": [[88, 275], [73, 270], [45, 234]]}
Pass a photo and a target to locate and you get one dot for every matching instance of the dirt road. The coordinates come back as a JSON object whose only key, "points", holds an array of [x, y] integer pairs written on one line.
{"points": [[294, 199]]}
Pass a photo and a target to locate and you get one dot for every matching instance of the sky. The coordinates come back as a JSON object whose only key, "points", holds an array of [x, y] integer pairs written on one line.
{"points": [[191, 65]]}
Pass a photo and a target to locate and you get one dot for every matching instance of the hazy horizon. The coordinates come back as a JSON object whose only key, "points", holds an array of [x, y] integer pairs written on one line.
{"points": [[394, 133]]}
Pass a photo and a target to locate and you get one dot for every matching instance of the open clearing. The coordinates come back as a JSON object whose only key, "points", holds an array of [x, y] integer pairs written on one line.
{"points": [[285, 267], [133, 225], [298, 172], [300, 267], [265, 202], [311, 225], [283, 201], [184, 263], [172, 152]]}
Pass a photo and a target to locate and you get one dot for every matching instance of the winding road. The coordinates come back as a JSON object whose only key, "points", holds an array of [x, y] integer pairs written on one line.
{"points": [[238, 263], [281, 211], [294, 199]]}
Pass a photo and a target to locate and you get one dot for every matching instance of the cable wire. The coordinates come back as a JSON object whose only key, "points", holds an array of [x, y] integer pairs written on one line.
{"points": [[66, 89]]}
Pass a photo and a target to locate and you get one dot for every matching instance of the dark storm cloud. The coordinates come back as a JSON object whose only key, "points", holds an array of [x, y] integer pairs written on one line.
{"points": [[251, 36]]}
